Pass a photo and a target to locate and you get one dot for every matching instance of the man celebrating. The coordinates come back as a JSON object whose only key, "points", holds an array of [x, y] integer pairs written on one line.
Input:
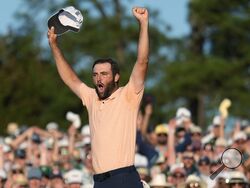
{"points": [[112, 110]]}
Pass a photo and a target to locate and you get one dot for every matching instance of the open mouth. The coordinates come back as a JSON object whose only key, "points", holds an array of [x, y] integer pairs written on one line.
{"points": [[100, 87]]}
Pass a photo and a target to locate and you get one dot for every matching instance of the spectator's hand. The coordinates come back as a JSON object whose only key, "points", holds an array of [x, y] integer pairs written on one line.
{"points": [[52, 37], [72, 130], [30, 132], [141, 14], [172, 125], [149, 109]]}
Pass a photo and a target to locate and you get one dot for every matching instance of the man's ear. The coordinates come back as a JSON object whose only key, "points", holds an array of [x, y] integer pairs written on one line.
{"points": [[117, 77]]}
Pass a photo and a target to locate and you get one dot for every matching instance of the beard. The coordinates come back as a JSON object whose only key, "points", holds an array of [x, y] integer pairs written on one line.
{"points": [[108, 90]]}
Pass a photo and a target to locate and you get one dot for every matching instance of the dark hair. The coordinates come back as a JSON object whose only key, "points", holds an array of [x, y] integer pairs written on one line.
{"points": [[114, 65]]}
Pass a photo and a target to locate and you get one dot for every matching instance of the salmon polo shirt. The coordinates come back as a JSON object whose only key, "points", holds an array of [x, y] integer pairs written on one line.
{"points": [[112, 126]]}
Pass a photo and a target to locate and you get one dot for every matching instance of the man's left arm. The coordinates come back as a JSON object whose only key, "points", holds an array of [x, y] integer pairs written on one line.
{"points": [[140, 68]]}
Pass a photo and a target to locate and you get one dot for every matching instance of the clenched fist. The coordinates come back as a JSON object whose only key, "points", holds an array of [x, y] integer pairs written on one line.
{"points": [[141, 14]]}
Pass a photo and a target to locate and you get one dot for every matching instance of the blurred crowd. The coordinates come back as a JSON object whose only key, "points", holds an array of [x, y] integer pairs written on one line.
{"points": [[173, 154]]}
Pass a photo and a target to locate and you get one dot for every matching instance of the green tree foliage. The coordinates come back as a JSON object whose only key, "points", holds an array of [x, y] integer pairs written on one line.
{"points": [[33, 92], [214, 65]]}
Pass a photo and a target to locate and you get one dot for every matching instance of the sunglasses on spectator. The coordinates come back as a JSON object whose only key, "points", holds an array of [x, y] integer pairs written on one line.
{"points": [[17, 171], [240, 183], [162, 134], [240, 141], [196, 134], [186, 157], [203, 164], [193, 185], [178, 175]]}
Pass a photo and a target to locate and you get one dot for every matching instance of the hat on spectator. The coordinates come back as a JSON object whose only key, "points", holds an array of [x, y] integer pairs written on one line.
{"points": [[16, 166], [216, 121], [85, 131], [64, 142], [20, 153], [221, 142], [12, 128], [21, 180], [161, 128], [195, 180], [66, 19], [3, 174], [73, 176], [56, 173], [36, 138], [159, 180], [188, 154], [237, 177], [195, 129], [240, 136], [204, 160], [177, 168], [52, 126], [34, 173]]}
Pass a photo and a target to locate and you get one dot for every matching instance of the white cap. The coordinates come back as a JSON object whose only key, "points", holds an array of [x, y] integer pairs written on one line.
{"points": [[159, 180], [64, 142], [240, 135], [85, 131], [216, 120], [73, 176], [221, 142], [193, 178], [66, 19], [52, 126], [237, 177]]}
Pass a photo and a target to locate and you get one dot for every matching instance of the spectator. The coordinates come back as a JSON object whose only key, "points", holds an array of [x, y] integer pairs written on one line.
{"points": [[34, 177], [219, 147], [238, 180], [73, 178], [56, 178], [194, 181], [204, 170], [159, 181], [177, 175], [239, 142], [161, 130]]}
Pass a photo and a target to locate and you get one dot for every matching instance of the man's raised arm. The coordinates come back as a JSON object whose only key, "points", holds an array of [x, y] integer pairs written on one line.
{"points": [[140, 68], [65, 71]]}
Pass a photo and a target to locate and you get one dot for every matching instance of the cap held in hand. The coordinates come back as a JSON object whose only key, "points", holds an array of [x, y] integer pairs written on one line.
{"points": [[66, 19]]}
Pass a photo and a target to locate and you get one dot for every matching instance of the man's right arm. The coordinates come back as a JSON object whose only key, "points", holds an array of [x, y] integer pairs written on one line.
{"points": [[67, 74]]}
